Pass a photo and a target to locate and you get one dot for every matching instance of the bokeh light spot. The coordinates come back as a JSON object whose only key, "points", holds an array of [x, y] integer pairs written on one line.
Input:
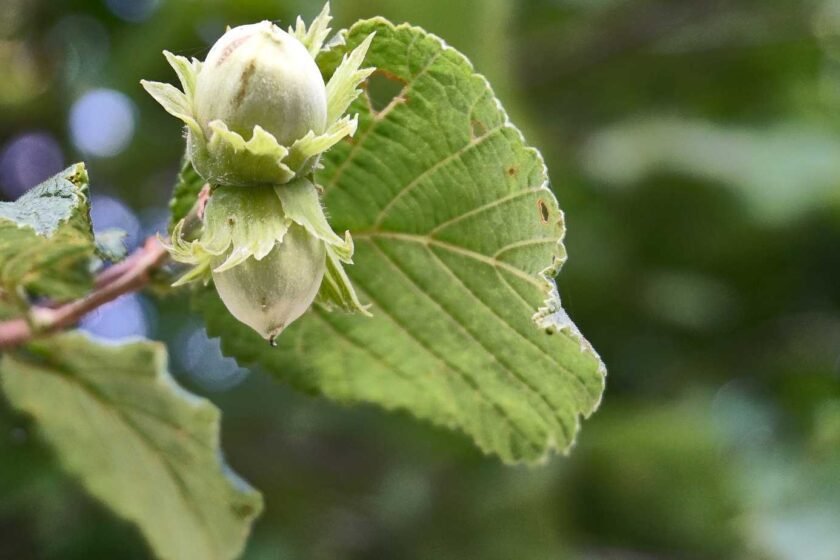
{"points": [[102, 122], [26, 160], [107, 213], [125, 317]]}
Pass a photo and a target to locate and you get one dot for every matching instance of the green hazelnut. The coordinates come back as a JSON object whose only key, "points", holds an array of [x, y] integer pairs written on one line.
{"points": [[258, 115], [257, 110], [260, 75], [268, 294]]}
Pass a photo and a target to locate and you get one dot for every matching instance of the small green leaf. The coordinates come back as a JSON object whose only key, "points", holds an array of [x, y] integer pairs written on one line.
{"points": [[313, 37], [342, 89], [136, 440], [187, 186], [302, 205], [458, 238], [46, 239], [337, 290], [174, 102]]}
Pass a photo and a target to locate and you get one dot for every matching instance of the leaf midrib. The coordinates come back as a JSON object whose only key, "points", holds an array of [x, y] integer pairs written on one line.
{"points": [[370, 236]]}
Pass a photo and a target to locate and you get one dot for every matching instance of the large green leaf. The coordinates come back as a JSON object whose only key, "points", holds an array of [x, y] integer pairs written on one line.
{"points": [[136, 440], [46, 239], [458, 238]]}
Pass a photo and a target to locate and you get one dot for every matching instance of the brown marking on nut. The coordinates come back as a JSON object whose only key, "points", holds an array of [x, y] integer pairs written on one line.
{"points": [[203, 199], [243, 82], [235, 44]]}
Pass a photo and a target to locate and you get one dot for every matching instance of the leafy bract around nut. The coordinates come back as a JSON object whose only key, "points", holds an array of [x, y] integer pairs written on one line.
{"points": [[269, 294], [257, 110], [258, 117], [267, 251]]}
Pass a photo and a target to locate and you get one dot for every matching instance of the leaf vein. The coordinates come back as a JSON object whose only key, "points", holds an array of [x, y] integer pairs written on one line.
{"points": [[463, 374], [524, 243], [411, 185], [506, 367], [483, 208], [551, 359], [425, 240], [351, 154]]}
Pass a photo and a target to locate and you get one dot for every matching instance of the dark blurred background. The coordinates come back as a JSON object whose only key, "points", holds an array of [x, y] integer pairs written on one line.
{"points": [[695, 147]]}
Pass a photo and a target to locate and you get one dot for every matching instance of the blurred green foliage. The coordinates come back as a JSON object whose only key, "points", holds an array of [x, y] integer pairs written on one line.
{"points": [[693, 146]]}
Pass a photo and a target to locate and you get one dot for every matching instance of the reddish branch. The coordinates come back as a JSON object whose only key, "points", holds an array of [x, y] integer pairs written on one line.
{"points": [[130, 275]]}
